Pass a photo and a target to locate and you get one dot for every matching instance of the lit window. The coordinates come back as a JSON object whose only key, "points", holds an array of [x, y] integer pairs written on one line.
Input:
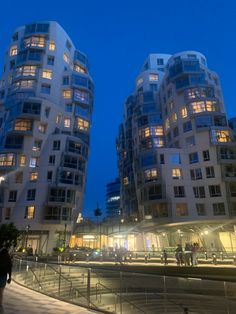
{"points": [[210, 106], [33, 162], [28, 70], [22, 160], [52, 46], [81, 96], [125, 181], [58, 119], [13, 51], [167, 124], [174, 117], [220, 136], [37, 145], [33, 176], [82, 124], [66, 57], [184, 112], [66, 93], [176, 173], [150, 174], [181, 209], [23, 125], [78, 68], [198, 106], [7, 160], [153, 77], [47, 74], [42, 128], [24, 84], [139, 81], [35, 41], [29, 212], [67, 122]]}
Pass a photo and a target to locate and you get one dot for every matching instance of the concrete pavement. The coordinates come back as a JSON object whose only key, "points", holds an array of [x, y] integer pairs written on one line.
{"points": [[20, 300]]}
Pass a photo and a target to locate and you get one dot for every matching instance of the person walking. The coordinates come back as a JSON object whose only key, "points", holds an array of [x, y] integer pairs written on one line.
{"points": [[5, 271]]}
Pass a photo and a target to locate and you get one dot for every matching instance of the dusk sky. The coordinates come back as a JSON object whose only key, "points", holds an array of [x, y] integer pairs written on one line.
{"points": [[117, 36]]}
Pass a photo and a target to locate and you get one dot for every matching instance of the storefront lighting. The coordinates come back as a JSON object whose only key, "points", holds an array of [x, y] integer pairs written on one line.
{"points": [[88, 237]]}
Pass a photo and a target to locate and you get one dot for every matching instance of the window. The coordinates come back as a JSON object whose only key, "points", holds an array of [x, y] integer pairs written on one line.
{"points": [[56, 145], [66, 57], [81, 96], [67, 122], [52, 46], [33, 162], [68, 107], [7, 160], [50, 60], [34, 41], [58, 118], [37, 145], [125, 181], [220, 136], [176, 173], [47, 74], [210, 173], [162, 159], [31, 194], [203, 121], [139, 81], [190, 141], [193, 158], [65, 80], [27, 70], [201, 211], [52, 159], [175, 131], [12, 196], [160, 61], [49, 176], [196, 174], [23, 125], [13, 51], [78, 68], [218, 209], [29, 212], [179, 191], [33, 176], [7, 215], [187, 126], [45, 89], [42, 127], [82, 124], [153, 77], [66, 93], [175, 159], [150, 174], [214, 190], [199, 191], [181, 209], [22, 160], [19, 177], [206, 155]]}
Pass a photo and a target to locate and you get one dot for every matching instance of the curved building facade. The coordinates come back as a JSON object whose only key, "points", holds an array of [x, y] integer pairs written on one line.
{"points": [[113, 200], [46, 106], [177, 154]]}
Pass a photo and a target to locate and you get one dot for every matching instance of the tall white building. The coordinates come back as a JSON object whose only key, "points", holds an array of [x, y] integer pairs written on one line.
{"points": [[46, 99], [177, 155]]}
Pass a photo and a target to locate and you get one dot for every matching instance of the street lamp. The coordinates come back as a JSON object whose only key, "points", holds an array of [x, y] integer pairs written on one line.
{"points": [[97, 214], [26, 235], [64, 240]]}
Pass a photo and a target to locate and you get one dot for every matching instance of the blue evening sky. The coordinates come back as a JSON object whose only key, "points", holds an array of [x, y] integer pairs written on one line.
{"points": [[117, 36]]}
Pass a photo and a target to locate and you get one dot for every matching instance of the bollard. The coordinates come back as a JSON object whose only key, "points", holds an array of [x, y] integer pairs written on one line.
{"points": [[146, 258], [136, 255], [162, 259], [130, 258], [214, 259], [234, 260], [206, 257], [222, 256]]}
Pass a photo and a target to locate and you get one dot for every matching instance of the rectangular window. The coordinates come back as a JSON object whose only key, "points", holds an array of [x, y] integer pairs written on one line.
{"points": [[33, 176], [67, 122], [162, 159], [45, 89], [66, 57], [153, 77], [33, 162], [199, 191], [12, 196], [50, 60], [206, 155], [210, 173], [66, 93], [13, 51], [214, 190], [47, 74], [34, 41], [27, 70], [52, 159], [7, 160], [184, 112], [175, 159], [52, 46], [7, 215], [82, 124], [160, 61], [218, 209], [196, 174], [29, 212], [181, 209], [23, 125], [31, 194], [68, 107], [81, 96], [150, 174], [19, 177], [42, 128], [220, 136], [65, 80], [78, 68], [37, 145], [179, 191], [187, 126], [193, 158], [22, 160], [56, 145], [190, 141], [201, 211], [176, 173], [49, 176]]}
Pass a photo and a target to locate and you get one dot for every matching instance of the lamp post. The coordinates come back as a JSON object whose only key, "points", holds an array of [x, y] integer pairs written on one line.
{"points": [[64, 240], [26, 235], [97, 214]]}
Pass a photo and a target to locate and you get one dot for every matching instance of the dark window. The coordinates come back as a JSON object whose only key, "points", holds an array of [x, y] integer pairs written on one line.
{"points": [[199, 191], [31, 194], [162, 159], [218, 209], [56, 145], [179, 191], [196, 174], [19, 177], [193, 158], [52, 159], [210, 173], [206, 155], [45, 88], [214, 190], [12, 196], [49, 176], [201, 211], [176, 131], [187, 126], [65, 80], [51, 60], [160, 61]]}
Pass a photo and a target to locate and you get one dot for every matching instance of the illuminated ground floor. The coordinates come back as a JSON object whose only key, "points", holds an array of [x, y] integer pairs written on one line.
{"points": [[143, 236]]}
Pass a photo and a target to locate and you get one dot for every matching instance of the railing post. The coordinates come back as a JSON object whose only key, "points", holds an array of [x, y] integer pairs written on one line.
{"points": [[88, 286], [59, 281], [164, 288], [226, 298]]}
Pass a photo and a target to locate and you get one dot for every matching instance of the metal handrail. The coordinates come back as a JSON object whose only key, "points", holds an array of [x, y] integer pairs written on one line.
{"points": [[117, 294], [40, 285]]}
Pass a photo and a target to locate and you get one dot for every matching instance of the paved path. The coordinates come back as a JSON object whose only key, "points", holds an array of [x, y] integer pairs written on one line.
{"points": [[20, 300]]}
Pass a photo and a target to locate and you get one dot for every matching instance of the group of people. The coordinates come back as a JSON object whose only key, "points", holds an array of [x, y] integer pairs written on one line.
{"points": [[188, 255], [5, 272]]}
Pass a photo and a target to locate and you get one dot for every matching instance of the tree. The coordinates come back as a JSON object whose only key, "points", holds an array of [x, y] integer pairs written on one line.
{"points": [[8, 235]]}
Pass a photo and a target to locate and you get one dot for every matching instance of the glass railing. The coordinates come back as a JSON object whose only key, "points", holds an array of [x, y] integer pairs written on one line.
{"points": [[126, 292]]}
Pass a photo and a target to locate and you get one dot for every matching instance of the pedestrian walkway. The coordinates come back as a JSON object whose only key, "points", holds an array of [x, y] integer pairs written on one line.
{"points": [[20, 300]]}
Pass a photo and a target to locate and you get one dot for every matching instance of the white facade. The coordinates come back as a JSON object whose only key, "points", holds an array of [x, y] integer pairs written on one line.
{"points": [[46, 106]]}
